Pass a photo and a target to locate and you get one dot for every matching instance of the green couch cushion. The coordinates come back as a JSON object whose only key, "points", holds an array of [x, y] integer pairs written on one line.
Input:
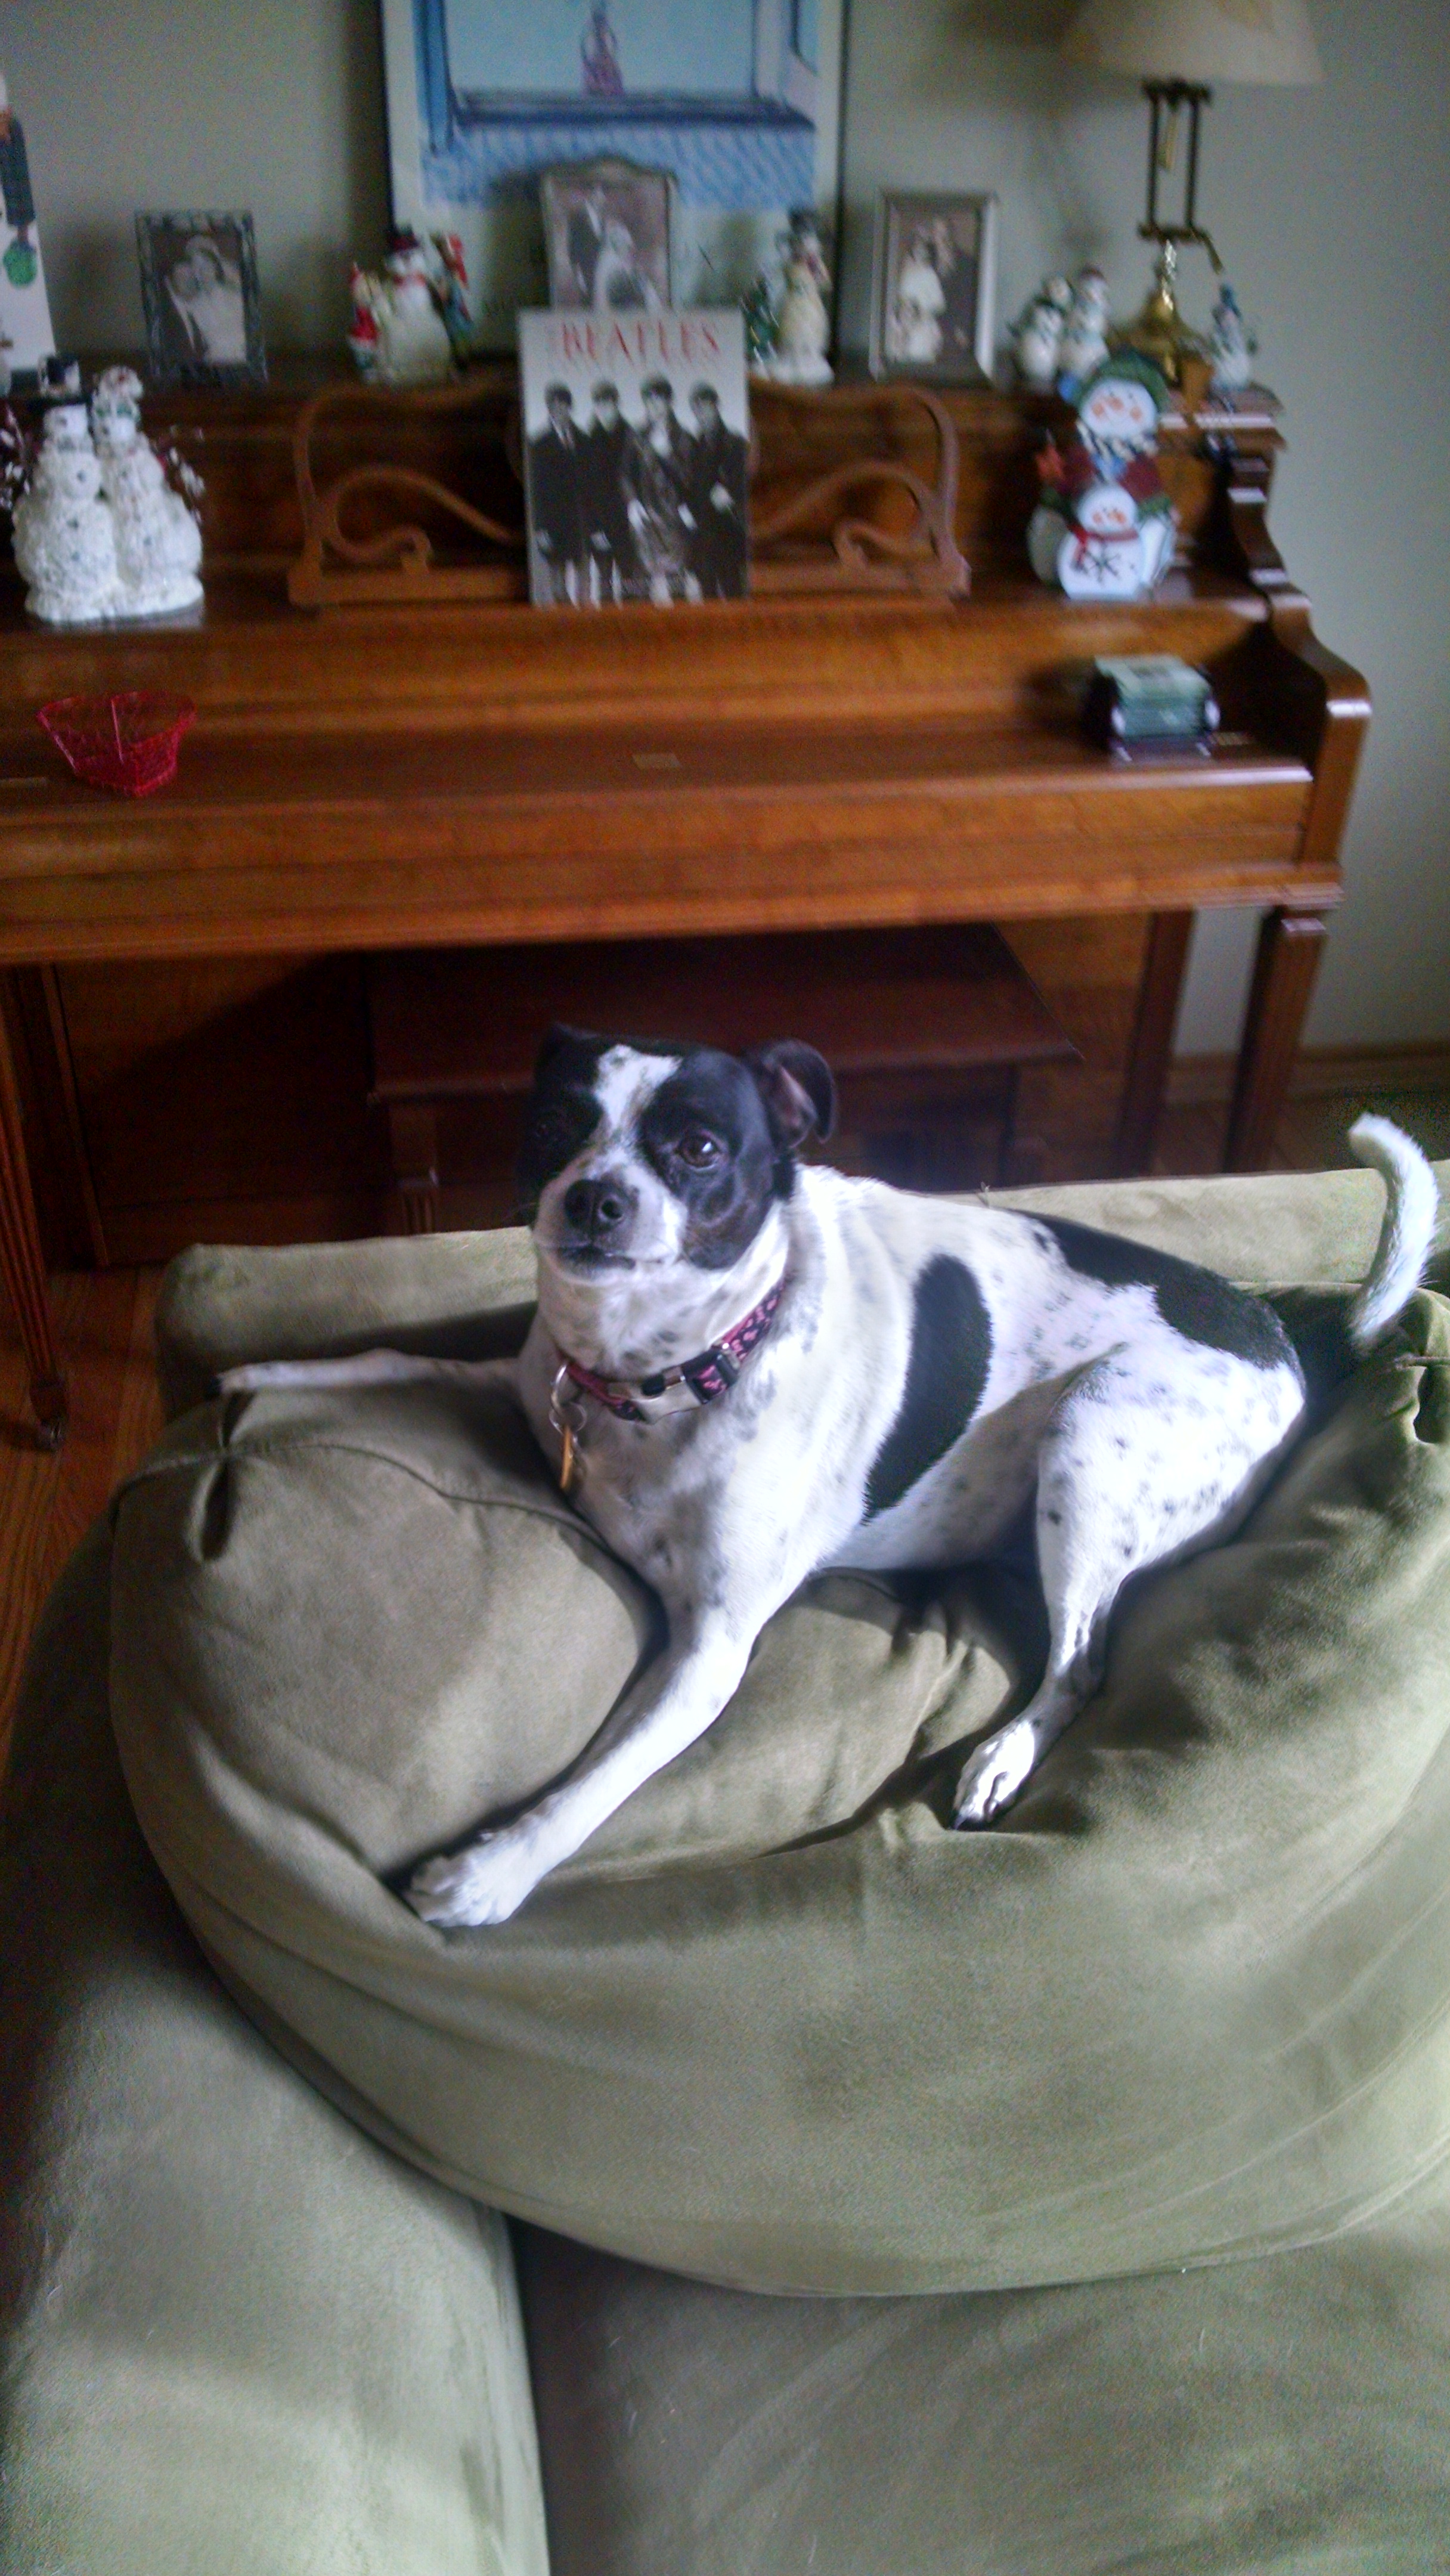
{"points": [[236, 2337], [776, 2024], [1288, 2417]]}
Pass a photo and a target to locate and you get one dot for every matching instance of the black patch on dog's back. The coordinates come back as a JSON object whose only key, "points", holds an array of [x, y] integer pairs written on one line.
{"points": [[1197, 1303], [946, 1370]]}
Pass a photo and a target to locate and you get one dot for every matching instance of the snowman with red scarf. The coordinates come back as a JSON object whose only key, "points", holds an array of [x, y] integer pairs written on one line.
{"points": [[1104, 527]]}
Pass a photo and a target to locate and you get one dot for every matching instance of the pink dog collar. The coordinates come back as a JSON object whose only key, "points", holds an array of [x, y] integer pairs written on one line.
{"points": [[708, 1375]]}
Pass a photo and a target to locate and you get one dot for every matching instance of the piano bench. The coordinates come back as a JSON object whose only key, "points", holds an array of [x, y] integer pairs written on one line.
{"points": [[927, 1031]]}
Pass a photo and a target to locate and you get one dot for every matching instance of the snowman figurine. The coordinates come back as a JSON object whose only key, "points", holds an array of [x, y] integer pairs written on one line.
{"points": [[1229, 346], [1104, 527], [409, 342], [1039, 332], [1084, 334], [158, 539], [65, 544]]}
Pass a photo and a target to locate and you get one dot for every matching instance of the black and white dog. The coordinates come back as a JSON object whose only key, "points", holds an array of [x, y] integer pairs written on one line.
{"points": [[748, 1369]]}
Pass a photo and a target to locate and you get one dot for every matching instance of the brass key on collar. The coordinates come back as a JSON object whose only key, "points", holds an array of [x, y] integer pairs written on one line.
{"points": [[570, 1428]]}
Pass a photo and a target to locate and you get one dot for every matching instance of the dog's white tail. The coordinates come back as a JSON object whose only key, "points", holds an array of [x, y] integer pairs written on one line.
{"points": [[1406, 1234]]}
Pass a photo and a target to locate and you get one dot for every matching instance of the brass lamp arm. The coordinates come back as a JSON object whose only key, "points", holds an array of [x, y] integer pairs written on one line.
{"points": [[1176, 233]]}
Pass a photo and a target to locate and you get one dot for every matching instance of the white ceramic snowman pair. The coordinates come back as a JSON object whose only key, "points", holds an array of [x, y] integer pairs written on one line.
{"points": [[99, 532], [1062, 337]]}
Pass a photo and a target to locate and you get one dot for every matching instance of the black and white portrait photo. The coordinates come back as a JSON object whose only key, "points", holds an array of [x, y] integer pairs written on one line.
{"points": [[199, 290], [607, 233], [637, 454], [932, 308]]}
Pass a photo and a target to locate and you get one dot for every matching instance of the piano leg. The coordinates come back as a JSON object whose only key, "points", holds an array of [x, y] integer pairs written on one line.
{"points": [[1290, 947], [413, 1146], [22, 1265], [1158, 990]]}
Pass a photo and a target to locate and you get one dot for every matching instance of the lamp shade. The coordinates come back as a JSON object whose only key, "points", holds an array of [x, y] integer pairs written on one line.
{"points": [[1197, 40]]}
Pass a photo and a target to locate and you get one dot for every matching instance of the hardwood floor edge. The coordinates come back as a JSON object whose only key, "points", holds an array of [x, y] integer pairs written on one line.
{"points": [[1206, 1081]]}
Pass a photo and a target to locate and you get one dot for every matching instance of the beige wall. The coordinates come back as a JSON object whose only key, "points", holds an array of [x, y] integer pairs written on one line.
{"points": [[274, 105], [1331, 207]]}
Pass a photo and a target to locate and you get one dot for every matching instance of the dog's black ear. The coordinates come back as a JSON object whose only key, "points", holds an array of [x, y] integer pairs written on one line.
{"points": [[559, 1036], [797, 1088]]}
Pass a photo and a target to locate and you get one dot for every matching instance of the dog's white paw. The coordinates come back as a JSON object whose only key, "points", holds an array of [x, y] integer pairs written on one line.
{"points": [[994, 1773], [258, 1375], [243, 1381], [484, 1884]]}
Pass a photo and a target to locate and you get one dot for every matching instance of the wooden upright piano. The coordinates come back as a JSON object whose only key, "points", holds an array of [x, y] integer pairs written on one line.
{"points": [[436, 762]]}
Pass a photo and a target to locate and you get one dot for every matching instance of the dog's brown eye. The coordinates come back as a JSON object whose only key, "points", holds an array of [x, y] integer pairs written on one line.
{"points": [[699, 1149]]}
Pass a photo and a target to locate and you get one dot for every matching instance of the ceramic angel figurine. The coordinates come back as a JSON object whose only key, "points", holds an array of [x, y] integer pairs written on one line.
{"points": [[1038, 334], [65, 545], [1084, 334], [410, 322], [1229, 345], [1104, 527], [157, 537], [803, 324]]}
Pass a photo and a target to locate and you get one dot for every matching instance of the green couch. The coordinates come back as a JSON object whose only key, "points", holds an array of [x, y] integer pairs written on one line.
{"points": [[1181, 2302]]}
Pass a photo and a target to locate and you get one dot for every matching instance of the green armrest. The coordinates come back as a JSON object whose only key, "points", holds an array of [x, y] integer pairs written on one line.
{"points": [[236, 2337]]}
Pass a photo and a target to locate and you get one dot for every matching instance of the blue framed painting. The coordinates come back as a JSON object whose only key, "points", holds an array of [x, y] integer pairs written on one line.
{"points": [[739, 100]]}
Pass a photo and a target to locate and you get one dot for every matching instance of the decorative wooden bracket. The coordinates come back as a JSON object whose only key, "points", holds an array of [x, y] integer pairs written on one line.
{"points": [[903, 533], [854, 489], [391, 559]]}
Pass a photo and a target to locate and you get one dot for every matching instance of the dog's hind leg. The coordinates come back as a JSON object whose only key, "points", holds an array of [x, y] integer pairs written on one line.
{"points": [[1127, 1477]]}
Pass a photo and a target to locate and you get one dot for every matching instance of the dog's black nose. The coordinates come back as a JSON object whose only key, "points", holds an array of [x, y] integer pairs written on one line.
{"points": [[599, 1210]]}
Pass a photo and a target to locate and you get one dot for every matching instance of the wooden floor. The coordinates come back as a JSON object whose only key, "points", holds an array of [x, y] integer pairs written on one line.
{"points": [[1310, 1135], [105, 1319], [47, 1503]]}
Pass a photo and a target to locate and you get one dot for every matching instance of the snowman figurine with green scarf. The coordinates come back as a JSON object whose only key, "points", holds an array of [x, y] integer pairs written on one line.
{"points": [[1104, 526]]}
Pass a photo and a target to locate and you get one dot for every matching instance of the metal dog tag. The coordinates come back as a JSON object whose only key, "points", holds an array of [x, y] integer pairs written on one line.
{"points": [[570, 1427]]}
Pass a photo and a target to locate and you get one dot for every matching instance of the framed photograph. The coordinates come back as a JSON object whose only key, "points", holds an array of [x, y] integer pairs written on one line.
{"points": [[201, 300], [607, 237], [738, 100], [933, 295], [636, 455]]}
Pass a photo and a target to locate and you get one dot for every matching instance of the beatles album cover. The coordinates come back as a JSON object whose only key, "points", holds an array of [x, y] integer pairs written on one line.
{"points": [[636, 441]]}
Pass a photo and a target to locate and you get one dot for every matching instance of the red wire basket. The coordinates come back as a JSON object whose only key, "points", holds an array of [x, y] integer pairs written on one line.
{"points": [[127, 742]]}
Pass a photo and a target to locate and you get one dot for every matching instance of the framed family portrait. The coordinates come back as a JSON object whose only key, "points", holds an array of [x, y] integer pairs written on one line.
{"points": [[636, 457], [201, 299], [607, 237], [737, 100], [933, 295]]}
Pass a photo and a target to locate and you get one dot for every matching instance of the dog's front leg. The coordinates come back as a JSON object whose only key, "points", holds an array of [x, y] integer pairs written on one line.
{"points": [[667, 1709], [363, 1368]]}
